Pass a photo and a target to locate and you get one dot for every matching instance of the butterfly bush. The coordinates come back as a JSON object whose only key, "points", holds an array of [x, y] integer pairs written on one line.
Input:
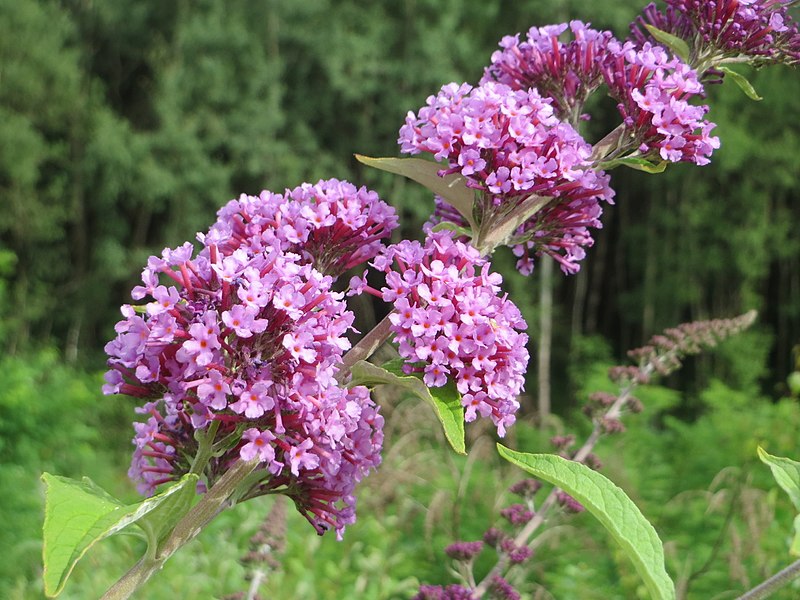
{"points": [[451, 323], [510, 145], [653, 90], [248, 336]]}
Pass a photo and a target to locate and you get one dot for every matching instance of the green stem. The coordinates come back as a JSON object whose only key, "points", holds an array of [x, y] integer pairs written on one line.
{"points": [[205, 448], [366, 346], [190, 525], [774, 583]]}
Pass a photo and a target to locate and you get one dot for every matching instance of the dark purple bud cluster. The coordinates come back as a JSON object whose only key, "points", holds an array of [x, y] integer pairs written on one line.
{"points": [[526, 488], [464, 551], [761, 30]]}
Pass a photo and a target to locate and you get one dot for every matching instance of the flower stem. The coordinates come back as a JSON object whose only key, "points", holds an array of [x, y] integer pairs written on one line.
{"points": [[774, 583], [366, 346], [189, 526]]}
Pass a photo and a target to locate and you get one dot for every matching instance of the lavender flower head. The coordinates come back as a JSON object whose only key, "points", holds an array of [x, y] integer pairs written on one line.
{"points": [[510, 145], [248, 337], [331, 224], [654, 92], [451, 323]]}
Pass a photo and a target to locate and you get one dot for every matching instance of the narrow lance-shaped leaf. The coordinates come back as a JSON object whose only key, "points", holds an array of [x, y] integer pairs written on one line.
{"points": [[611, 506], [78, 514], [452, 188], [673, 42], [445, 400], [743, 83], [786, 473], [640, 164]]}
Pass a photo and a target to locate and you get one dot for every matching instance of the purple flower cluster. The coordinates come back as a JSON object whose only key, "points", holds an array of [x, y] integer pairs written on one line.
{"points": [[511, 145], [653, 92], [566, 72], [508, 143], [249, 337], [451, 324], [331, 224], [762, 30]]}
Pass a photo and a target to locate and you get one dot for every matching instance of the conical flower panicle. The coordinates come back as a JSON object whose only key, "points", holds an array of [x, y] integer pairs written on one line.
{"points": [[248, 335], [664, 353], [566, 72], [510, 145], [451, 323]]}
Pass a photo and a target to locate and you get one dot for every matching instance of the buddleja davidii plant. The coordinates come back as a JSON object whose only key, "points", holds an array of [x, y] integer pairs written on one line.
{"points": [[240, 358], [576, 484]]}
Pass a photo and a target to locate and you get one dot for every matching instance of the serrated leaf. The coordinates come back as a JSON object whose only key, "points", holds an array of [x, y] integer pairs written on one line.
{"points": [[743, 83], [633, 162], [786, 473], [673, 42], [611, 506], [78, 514], [445, 400], [452, 188]]}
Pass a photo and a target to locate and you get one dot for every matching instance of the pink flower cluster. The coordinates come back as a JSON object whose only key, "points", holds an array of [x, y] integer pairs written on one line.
{"points": [[566, 72], [511, 145], [653, 91], [331, 224], [762, 30], [451, 323], [508, 143], [249, 337]]}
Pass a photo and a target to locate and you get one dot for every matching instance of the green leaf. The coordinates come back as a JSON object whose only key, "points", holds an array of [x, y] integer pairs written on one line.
{"points": [[611, 506], [793, 381], [794, 549], [172, 505], [786, 472], [640, 164], [445, 400], [673, 42], [447, 225], [78, 514], [743, 83], [452, 188]]}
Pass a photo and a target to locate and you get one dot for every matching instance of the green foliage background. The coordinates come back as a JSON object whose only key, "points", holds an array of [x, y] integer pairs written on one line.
{"points": [[125, 125]]}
